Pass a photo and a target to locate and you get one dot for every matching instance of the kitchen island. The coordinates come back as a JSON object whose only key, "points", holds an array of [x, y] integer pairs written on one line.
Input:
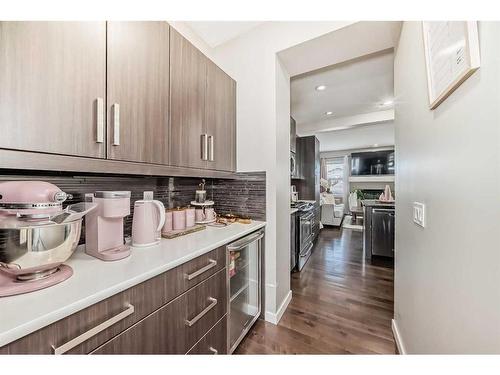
{"points": [[378, 228]]}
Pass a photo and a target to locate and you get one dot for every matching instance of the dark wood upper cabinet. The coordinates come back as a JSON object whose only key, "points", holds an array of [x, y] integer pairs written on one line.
{"points": [[220, 119], [203, 110], [138, 91], [52, 87], [188, 70], [128, 91]]}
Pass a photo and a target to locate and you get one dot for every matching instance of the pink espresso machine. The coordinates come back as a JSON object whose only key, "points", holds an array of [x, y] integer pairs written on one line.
{"points": [[104, 226]]}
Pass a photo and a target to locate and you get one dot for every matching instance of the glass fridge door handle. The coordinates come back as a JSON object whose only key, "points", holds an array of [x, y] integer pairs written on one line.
{"points": [[248, 241]]}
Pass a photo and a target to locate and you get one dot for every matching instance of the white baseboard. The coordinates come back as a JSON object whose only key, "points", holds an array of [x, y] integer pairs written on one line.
{"points": [[276, 317], [397, 338]]}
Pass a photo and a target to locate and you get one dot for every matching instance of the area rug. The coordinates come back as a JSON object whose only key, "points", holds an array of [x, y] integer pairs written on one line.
{"points": [[347, 224]]}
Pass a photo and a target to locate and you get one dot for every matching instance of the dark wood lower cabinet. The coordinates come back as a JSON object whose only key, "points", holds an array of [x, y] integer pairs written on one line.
{"points": [[182, 292], [177, 326], [214, 342]]}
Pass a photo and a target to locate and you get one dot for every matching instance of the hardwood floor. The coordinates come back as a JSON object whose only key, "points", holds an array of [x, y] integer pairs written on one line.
{"points": [[340, 305]]}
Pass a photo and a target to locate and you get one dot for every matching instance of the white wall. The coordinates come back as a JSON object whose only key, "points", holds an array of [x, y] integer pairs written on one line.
{"points": [[447, 283], [357, 137], [283, 183], [263, 97]]}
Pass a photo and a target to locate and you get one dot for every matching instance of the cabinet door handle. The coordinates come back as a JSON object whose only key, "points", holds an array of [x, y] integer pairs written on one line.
{"points": [[211, 264], [204, 147], [211, 148], [92, 332], [213, 350], [100, 120], [191, 322], [116, 124]]}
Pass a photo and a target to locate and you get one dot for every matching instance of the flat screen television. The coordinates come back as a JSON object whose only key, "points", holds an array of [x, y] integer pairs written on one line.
{"points": [[372, 163]]}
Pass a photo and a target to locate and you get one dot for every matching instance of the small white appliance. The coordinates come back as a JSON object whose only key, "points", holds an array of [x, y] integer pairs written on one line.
{"points": [[148, 221]]}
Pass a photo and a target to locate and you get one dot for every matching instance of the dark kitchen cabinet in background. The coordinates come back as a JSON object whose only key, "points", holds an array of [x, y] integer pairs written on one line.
{"points": [[52, 87], [308, 186], [138, 91], [308, 151], [293, 135]]}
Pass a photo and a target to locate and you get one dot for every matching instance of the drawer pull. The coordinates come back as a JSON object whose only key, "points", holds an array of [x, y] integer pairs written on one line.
{"points": [[94, 331], [211, 264], [213, 350], [213, 302]]}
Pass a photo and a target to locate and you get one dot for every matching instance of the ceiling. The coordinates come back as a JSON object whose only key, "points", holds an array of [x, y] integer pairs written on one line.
{"points": [[215, 33], [352, 88], [371, 136], [347, 43]]}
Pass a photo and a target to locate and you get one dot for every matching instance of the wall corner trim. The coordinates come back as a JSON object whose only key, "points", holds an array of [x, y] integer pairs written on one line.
{"points": [[276, 317], [397, 338]]}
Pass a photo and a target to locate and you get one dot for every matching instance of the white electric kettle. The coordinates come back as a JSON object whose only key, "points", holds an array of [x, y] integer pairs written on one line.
{"points": [[149, 217]]}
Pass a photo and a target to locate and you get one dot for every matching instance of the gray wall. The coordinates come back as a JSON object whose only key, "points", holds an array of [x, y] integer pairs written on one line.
{"points": [[447, 287]]}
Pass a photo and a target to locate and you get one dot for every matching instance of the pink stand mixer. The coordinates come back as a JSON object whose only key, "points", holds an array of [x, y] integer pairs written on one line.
{"points": [[36, 235], [104, 226]]}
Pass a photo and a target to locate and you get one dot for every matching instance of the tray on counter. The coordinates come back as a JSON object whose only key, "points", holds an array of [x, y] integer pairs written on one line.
{"points": [[182, 232]]}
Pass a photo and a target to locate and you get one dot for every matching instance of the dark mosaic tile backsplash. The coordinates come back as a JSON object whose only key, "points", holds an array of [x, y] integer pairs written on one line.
{"points": [[245, 195]]}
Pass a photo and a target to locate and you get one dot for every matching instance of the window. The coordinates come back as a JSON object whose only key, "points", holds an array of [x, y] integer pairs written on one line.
{"points": [[336, 176]]}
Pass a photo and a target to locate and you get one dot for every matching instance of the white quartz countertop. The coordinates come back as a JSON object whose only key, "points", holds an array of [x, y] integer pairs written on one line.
{"points": [[95, 280]]}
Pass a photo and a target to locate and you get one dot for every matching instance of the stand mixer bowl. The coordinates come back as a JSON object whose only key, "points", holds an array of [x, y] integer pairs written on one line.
{"points": [[35, 252], [36, 234]]}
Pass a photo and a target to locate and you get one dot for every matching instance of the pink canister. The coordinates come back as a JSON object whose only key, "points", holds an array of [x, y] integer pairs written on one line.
{"points": [[169, 222], [190, 217], [179, 218]]}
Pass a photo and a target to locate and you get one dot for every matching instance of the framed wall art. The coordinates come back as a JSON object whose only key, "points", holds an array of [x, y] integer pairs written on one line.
{"points": [[451, 54]]}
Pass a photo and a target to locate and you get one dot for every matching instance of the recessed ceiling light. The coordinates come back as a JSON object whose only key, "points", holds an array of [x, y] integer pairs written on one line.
{"points": [[320, 88], [329, 113], [375, 145]]}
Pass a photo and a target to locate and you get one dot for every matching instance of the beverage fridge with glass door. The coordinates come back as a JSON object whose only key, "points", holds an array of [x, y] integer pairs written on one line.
{"points": [[244, 286]]}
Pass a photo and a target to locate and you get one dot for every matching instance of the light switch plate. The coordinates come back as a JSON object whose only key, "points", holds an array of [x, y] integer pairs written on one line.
{"points": [[419, 214]]}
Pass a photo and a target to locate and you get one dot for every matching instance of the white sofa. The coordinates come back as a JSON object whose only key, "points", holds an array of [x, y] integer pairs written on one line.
{"points": [[331, 213]]}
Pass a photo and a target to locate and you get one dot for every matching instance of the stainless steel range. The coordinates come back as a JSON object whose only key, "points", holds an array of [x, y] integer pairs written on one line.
{"points": [[305, 233]]}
